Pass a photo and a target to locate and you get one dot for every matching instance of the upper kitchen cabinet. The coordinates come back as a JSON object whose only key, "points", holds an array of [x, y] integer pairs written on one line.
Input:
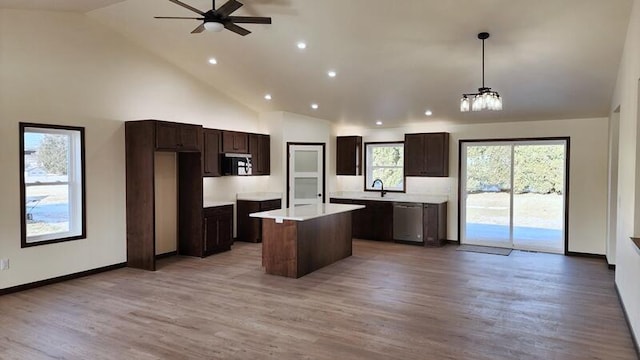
{"points": [[349, 155], [260, 150], [235, 142], [177, 137], [211, 148], [426, 154]]}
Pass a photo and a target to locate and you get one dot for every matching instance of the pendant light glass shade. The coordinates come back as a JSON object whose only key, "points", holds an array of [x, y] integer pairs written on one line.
{"points": [[464, 104]]}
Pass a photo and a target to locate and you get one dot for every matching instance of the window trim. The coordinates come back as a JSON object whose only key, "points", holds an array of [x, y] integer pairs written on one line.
{"points": [[366, 166], [23, 206]]}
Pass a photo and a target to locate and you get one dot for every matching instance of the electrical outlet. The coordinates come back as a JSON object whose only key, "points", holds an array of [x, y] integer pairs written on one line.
{"points": [[4, 264]]}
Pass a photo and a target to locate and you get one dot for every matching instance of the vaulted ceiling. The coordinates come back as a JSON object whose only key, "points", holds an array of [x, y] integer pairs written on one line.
{"points": [[549, 59]]}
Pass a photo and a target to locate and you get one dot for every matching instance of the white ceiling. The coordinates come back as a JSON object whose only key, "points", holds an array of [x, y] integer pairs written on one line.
{"points": [[57, 5], [549, 59]]}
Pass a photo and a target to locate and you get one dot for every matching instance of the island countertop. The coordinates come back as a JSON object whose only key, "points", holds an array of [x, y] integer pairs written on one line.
{"points": [[306, 212]]}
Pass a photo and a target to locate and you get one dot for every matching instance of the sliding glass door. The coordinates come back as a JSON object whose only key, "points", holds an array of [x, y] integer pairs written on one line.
{"points": [[513, 194]]}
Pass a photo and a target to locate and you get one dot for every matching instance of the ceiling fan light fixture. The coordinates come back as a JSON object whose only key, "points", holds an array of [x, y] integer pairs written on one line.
{"points": [[485, 98], [213, 26]]}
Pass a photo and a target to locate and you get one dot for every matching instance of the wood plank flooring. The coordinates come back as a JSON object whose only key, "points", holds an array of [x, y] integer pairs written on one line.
{"points": [[387, 301]]}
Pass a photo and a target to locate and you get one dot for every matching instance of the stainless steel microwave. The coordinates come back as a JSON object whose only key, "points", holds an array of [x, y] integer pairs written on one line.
{"points": [[236, 164]]}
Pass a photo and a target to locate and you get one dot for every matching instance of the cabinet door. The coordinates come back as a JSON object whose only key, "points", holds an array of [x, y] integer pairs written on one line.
{"points": [[435, 224], [414, 162], [189, 138], [167, 136], [235, 142], [349, 155], [380, 220], [210, 234], [211, 153], [265, 154], [436, 154], [248, 227], [218, 229], [225, 229], [254, 150], [430, 223]]}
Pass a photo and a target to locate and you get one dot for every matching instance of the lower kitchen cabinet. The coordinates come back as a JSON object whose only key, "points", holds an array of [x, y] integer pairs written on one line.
{"points": [[374, 222], [250, 229], [218, 229], [434, 224]]}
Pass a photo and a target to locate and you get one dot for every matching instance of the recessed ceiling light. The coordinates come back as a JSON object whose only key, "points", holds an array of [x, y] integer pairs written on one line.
{"points": [[428, 113], [267, 97], [378, 123], [213, 61], [302, 45], [314, 106], [331, 73]]}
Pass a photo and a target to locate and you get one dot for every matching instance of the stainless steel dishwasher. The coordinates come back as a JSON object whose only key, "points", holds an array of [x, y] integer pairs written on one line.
{"points": [[407, 222]]}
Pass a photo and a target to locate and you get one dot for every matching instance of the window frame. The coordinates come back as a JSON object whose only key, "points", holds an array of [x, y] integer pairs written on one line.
{"points": [[80, 214], [366, 166]]}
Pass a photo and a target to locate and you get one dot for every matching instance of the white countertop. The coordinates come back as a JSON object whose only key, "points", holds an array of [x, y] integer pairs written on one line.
{"points": [[259, 196], [305, 212], [206, 203], [395, 197]]}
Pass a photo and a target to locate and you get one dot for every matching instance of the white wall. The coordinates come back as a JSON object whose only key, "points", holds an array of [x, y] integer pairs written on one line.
{"points": [[588, 169], [287, 127], [627, 97], [64, 68]]}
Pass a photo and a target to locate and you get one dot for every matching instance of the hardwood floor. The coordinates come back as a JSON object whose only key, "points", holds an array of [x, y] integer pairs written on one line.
{"points": [[387, 301]]}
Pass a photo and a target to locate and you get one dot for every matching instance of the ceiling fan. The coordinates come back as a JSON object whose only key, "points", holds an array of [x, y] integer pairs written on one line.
{"points": [[218, 19]]}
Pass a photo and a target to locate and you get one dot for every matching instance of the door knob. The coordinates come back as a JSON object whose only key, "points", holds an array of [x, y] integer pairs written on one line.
{"points": [[319, 195]]}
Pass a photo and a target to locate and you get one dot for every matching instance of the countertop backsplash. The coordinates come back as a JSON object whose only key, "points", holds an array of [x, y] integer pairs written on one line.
{"points": [[415, 185]]}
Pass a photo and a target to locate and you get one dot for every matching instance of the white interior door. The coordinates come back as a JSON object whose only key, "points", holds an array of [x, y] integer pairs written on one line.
{"points": [[306, 174]]}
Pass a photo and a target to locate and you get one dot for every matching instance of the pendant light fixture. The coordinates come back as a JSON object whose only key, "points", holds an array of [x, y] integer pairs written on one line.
{"points": [[485, 98]]}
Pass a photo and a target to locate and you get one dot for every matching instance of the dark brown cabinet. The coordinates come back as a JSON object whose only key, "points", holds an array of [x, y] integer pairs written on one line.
{"points": [[426, 154], [217, 229], [374, 222], [250, 229], [349, 155], [211, 148], [434, 224], [260, 150], [142, 139], [177, 137], [235, 142]]}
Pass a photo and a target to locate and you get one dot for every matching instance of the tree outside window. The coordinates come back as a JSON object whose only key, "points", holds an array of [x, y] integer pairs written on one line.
{"points": [[385, 161], [52, 183]]}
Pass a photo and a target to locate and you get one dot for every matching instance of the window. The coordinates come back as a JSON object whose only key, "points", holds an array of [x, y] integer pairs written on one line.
{"points": [[51, 183], [384, 161]]}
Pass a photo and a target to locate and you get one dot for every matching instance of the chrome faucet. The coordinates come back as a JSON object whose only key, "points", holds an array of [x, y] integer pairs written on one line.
{"points": [[382, 191]]}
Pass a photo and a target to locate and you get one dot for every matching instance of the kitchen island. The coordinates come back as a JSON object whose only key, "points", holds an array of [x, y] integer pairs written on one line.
{"points": [[297, 241]]}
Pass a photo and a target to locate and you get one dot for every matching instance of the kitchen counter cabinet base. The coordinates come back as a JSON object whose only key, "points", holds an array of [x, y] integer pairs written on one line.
{"points": [[296, 248], [250, 229], [218, 229]]}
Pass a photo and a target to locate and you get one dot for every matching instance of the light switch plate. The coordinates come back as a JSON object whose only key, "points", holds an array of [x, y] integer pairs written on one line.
{"points": [[4, 264]]}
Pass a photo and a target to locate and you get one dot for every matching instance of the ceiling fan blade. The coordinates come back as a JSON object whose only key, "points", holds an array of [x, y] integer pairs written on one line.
{"points": [[177, 17], [250, 19], [236, 29], [177, 2], [199, 29], [229, 7]]}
